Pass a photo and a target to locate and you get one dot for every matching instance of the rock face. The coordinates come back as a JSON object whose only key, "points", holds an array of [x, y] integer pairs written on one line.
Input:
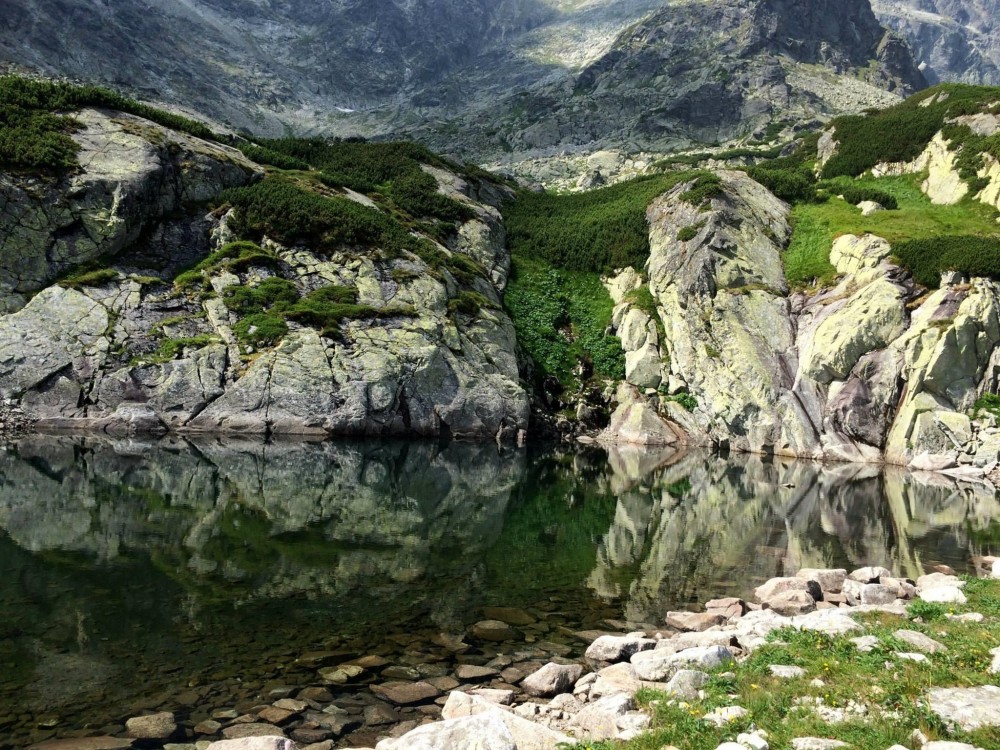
{"points": [[849, 373], [952, 40], [87, 357], [133, 174]]}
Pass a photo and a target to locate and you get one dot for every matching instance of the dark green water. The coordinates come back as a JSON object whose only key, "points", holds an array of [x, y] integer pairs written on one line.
{"points": [[194, 576]]}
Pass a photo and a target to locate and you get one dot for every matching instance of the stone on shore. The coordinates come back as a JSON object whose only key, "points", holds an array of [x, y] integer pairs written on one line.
{"points": [[483, 732], [251, 729], [870, 574], [493, 630], [694, 621], [613, 648], [158, 726], [791, 603], [406, 693], [776, 586], [599, 720], [552, 679], [829, 579], [84, 743], [254, 743], [526, 734], [659, 665], [686, 683]]}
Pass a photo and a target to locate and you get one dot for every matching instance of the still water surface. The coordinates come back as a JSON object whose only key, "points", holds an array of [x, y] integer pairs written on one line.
{"points": [[194, 576]]}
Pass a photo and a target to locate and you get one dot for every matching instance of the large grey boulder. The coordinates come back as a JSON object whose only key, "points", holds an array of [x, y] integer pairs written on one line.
{"points": [[551, 679], [482, 732], [661, 664]]}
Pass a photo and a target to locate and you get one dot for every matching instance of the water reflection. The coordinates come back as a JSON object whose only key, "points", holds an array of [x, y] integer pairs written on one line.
{"points": [[191, 575]]}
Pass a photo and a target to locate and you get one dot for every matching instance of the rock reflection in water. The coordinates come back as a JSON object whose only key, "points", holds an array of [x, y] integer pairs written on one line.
{"points": [[689, 526], [191, 576]]}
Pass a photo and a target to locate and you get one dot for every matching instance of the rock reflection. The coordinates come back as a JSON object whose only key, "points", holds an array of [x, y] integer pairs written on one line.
{"points": [[688, 527], [133, 571]]}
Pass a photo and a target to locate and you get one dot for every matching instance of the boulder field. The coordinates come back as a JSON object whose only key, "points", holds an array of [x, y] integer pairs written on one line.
{"points": [[856, 616]]}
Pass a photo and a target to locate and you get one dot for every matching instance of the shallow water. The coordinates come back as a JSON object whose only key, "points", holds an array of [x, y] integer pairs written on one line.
{"points": [[194, 576]]}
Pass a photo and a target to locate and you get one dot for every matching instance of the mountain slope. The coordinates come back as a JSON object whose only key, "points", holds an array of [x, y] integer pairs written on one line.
{"points": [[953, 40], [697, 71], [477, 77]]}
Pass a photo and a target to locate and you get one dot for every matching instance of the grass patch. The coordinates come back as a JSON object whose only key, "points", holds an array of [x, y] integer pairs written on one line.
{"points": [[816, 225], [89, 277], [891, 696]]}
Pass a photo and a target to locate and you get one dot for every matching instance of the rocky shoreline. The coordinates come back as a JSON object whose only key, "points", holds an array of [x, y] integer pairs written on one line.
{"points": [[518, 703]]}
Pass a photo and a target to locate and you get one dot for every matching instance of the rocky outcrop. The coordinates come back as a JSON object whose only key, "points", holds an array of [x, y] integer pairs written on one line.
{"points": [[133, 174], [90, 354], [952, 40], [857, 372]]}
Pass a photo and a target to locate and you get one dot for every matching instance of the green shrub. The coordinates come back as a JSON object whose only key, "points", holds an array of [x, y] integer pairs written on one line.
{"points": [[261, 329], [989, 403], [792, 185], [416, 193], [688, 233], [280, 209], [468, 303], [273, 292], [855, 195], [171, 348], [705, 187], [561, 319], [327, 306], [901, 132], [598, 230], [927, 258], [273, 158], [686, 400]]}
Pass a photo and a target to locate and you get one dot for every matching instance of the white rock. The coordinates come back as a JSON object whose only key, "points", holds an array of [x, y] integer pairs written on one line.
{"points": [[865, 643], [658, 665], [965, 617], [920, 641], [909, 656], [869, 574], [943, 595], [816, 743], [969, 708], [947, 745], [786, 672], [483, 732], [599, 720], [829, 579], [995, 666], [870, 207], [617, 648], [551, 679], [686, 683], [731, 746], [995, 570], [722, 716], [753, 740], [254, 743]]}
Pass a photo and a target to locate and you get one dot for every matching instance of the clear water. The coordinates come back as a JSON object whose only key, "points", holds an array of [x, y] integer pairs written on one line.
{"points": [[194, 576]]}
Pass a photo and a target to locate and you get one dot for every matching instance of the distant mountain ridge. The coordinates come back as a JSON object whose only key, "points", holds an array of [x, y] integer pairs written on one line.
{"points": [[476, 77]]}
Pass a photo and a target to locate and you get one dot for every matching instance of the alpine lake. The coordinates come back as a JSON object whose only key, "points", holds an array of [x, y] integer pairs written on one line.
{"points": [[207, 577]]}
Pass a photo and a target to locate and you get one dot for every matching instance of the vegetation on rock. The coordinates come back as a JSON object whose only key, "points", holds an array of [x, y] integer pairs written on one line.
{"points": [[900, 133], [36, 120]]}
